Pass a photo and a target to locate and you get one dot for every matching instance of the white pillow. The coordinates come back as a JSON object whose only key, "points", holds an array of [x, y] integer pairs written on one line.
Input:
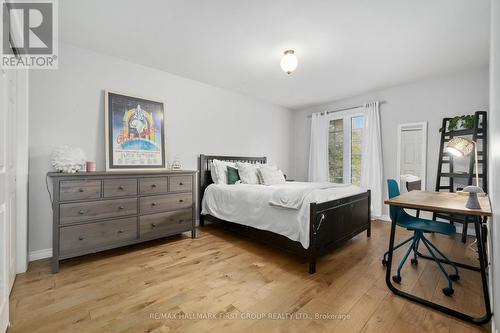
{"points": [[248, 172], [219, 170], [271, 176], [271, 167], [213, 174]]}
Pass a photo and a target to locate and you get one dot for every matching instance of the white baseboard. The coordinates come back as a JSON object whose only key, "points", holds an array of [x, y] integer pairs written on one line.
{"points": [[40, 254], [383, 218], [470, 229]]}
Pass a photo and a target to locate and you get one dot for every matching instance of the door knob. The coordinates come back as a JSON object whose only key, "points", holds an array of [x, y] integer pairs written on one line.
{"points": [[80, 238], [81, 212]]}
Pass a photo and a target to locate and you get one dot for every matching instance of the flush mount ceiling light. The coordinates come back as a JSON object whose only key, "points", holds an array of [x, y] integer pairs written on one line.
{"points": [[289, 62]]}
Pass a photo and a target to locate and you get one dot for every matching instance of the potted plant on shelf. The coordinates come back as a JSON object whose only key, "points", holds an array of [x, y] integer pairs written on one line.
{"points": [[459, 122]]}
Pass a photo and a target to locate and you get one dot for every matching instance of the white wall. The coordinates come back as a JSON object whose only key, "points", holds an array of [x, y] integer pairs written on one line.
{"points": [[427, 100], [67, 108], [494, 161]]}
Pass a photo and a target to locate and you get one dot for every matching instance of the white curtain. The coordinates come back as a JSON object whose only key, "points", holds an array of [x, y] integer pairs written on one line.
{"points": [[371, 160], [318, 152]]}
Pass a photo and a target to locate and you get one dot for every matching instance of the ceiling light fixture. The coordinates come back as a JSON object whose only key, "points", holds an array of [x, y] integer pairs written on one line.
{"points": [[289, 62]]}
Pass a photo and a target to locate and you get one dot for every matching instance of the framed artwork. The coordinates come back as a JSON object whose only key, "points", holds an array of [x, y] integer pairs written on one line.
{"points": [[134, 133]]}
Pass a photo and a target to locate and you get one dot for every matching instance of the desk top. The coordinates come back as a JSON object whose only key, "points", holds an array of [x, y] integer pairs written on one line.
{"points": [[440, 202]]}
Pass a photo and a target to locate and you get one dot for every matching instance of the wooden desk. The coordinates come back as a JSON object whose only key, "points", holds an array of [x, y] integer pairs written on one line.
{"points": [[445, 202]]}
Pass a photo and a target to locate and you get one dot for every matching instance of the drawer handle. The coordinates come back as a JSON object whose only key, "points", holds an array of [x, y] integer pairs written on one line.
{"points": [[81, 212], [120, 231], [153, 185], [153, 204], [181, 183], [121, 207], [81, 190], [121, 187], [181, 200], [81, 238], [153, 225]]}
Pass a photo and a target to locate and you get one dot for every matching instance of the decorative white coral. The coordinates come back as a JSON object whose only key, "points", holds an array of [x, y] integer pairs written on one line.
{"points": [[68, 159]]}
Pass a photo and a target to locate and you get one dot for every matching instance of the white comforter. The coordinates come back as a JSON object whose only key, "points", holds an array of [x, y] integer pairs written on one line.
{"points": [[250, 205]]}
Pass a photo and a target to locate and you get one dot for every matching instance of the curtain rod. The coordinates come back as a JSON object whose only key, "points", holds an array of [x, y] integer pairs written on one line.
{"points": [[349, 108]]}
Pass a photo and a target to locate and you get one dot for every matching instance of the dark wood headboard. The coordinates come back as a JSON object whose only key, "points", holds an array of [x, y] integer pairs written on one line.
{"points": [[205, 164]]}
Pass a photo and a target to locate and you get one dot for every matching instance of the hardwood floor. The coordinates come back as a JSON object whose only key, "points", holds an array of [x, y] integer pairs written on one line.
{"points": [[222, 282]]}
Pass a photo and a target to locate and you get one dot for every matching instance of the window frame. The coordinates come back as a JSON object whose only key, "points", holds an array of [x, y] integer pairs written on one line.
{"points": [[346, 117]]}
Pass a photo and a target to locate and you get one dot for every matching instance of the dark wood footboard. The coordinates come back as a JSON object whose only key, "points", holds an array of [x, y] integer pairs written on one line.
{"points": [[331, 223], [334, 222]]}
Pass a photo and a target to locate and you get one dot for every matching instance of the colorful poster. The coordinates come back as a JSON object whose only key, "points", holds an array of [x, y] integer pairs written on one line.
{"points": [[135, 132]]}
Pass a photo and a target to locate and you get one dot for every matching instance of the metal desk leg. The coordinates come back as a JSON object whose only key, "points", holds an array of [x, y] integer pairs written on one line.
{"points": [[481, 249], [389, 257]]}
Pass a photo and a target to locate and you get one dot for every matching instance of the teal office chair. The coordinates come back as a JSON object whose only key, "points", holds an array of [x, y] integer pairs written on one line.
{"points": [[420, 226]]}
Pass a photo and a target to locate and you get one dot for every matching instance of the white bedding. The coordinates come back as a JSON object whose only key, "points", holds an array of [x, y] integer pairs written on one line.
{"points": [[249, 205]]}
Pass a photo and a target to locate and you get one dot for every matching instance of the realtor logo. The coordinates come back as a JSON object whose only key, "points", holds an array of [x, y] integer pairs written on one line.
{"points": [[29, 34]]}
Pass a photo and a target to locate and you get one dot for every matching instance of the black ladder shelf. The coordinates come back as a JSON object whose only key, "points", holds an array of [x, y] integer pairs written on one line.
{"points": [[479, 134]]}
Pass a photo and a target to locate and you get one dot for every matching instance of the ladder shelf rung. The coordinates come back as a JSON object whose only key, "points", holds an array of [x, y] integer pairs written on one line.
{"points": [[458, 175]]}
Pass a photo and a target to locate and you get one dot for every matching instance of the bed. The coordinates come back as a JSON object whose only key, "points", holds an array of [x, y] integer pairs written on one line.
{"points": [[310, 231]]}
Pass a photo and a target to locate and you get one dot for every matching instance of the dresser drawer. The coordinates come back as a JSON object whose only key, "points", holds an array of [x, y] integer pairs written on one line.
{"points": [[120, 187], [79, 238], [180, 183], [160, 203], [79, 189], [157, 225], [153, 185], [93, 210]]}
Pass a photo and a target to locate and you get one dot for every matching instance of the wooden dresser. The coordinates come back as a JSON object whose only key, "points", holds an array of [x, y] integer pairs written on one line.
{"points": [[96, 211]]}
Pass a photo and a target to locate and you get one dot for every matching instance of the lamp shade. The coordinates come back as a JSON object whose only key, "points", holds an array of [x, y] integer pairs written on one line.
{"points": [[459, 146]]}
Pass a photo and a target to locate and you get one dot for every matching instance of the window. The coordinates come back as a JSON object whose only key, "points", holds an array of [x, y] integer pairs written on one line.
{"points": [[336, 150], [344, 148], [357, 125]]}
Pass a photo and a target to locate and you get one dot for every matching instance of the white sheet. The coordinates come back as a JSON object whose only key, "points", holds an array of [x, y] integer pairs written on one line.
{"points": [[249, 205], [293, 196]]}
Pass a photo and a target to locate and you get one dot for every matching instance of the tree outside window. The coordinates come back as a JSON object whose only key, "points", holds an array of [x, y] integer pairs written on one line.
{"points": [[344, 149]]}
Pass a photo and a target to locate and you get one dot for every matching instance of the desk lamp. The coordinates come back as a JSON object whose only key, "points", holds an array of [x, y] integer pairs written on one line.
{"points": [[461, 147]]}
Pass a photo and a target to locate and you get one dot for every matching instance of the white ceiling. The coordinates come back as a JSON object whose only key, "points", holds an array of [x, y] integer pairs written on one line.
{"points": [[344, 47]]}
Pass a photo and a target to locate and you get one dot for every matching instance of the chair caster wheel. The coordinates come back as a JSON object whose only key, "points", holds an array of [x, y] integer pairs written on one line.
{"points": [[448, 291], [396, 279], [414, 261], [384, 262], [454, 277]]}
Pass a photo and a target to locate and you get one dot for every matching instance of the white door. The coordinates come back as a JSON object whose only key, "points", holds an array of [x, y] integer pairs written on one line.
{"points": [[411, 152], [8, 97]]}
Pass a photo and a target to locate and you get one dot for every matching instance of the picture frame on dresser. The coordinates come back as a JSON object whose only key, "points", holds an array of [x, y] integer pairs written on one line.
{"points": [[135, 132], [98, 211]]}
